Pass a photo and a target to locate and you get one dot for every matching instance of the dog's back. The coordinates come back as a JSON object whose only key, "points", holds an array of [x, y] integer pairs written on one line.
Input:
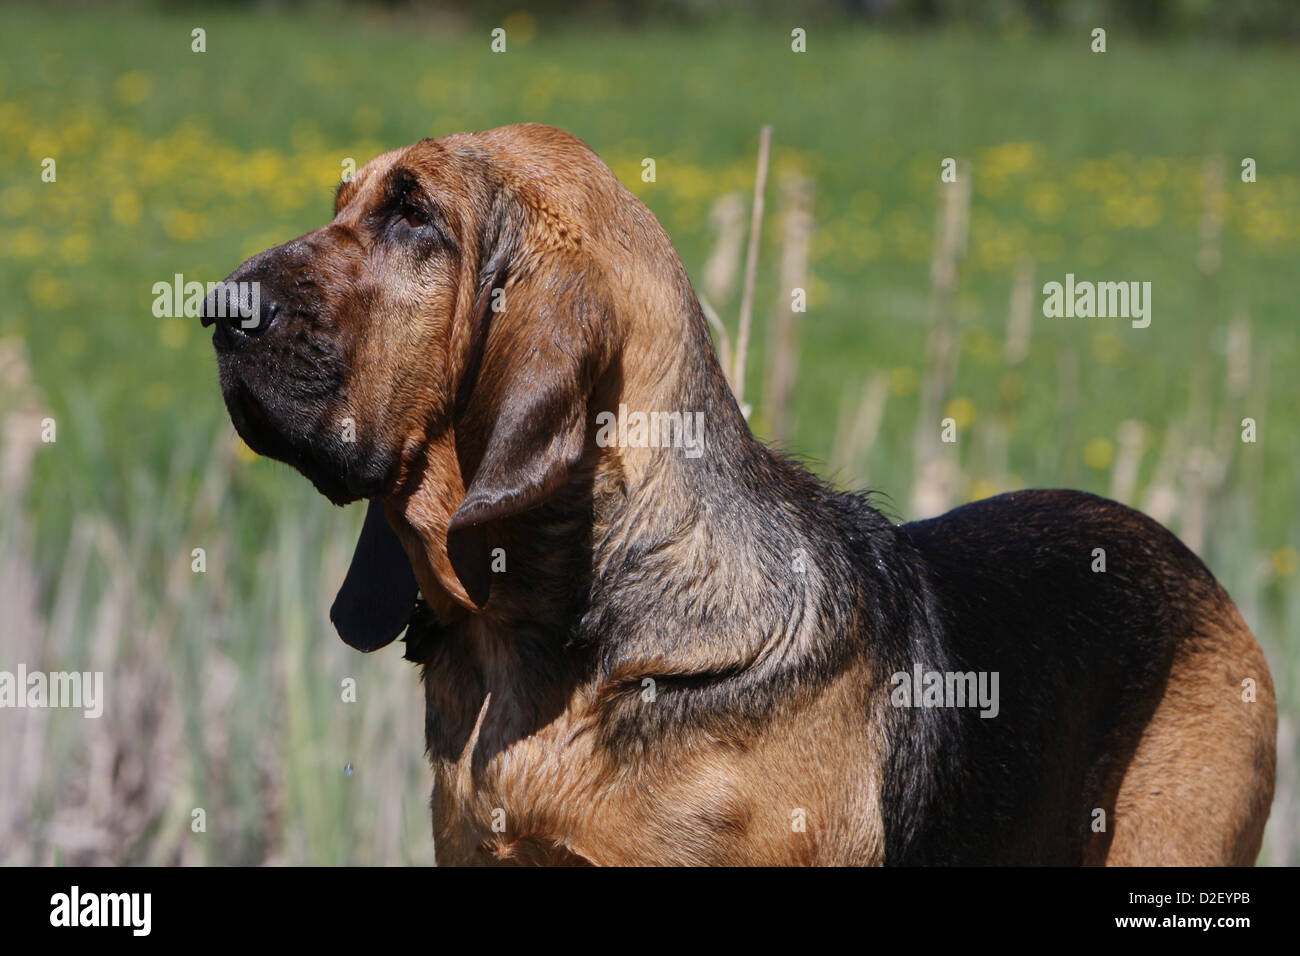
{"points": [[1126, 728]]}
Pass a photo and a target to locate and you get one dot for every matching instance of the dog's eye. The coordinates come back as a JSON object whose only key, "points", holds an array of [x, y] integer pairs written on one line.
{"points": [[414, 217]]}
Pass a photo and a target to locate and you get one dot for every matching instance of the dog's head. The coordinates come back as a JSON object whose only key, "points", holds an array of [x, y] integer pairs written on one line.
{"points": [[434, 348]]}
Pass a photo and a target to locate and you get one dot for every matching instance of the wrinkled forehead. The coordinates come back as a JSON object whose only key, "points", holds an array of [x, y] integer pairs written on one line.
{"points": [[435, 164]]}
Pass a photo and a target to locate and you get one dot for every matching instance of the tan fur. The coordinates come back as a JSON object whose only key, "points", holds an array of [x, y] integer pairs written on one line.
{"points": [[799, 795], [1198, 789]]}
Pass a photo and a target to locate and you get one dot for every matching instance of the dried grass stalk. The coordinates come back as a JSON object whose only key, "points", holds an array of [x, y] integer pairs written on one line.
{"points": [[783, 362], [751, 265]]}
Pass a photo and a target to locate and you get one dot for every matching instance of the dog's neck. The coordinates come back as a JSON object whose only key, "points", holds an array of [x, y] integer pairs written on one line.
{"points": [[600, 577]]}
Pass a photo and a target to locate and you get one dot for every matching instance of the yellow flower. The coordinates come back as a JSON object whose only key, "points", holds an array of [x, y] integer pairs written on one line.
{"points": [[1012, 158], [1098, 453], [174, 332], [243, 452], [16, 200], [998, 251], [961, 411], [1119, 211], [902, 381], [43, 144], [183, 225], [27, 243], [982, 345], [520, 28], [133, 88], [1285, 561], [78, 131], [1146, 212], [261, 243], [915, 245], [819, 291], [126, 208], [47, 291], [1046, 202], [75, 248], [1152, 172], [983, 488]]}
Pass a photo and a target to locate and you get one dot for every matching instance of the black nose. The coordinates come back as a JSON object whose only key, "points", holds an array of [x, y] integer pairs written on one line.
{"points": [[241, 309]]}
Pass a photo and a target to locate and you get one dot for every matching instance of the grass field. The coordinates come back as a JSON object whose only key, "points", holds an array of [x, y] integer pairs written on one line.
{"points": [[224, 686]]}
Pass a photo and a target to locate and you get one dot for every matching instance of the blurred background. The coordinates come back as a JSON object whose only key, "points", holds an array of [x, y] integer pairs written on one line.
{"points": [[225, 687]]}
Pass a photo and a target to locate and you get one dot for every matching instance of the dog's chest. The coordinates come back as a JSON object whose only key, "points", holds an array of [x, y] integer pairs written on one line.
{"points": [[525, 777]]}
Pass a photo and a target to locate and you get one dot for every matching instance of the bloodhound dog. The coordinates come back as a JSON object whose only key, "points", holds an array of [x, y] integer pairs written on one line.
{"points": [[647, 638]]}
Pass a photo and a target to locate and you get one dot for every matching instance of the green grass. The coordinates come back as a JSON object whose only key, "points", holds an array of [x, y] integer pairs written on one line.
{"points": [[170, 161]]}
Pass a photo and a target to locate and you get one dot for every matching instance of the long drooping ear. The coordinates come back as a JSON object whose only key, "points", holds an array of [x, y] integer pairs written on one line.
{"points": [[378, 593], [536, 353]]}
